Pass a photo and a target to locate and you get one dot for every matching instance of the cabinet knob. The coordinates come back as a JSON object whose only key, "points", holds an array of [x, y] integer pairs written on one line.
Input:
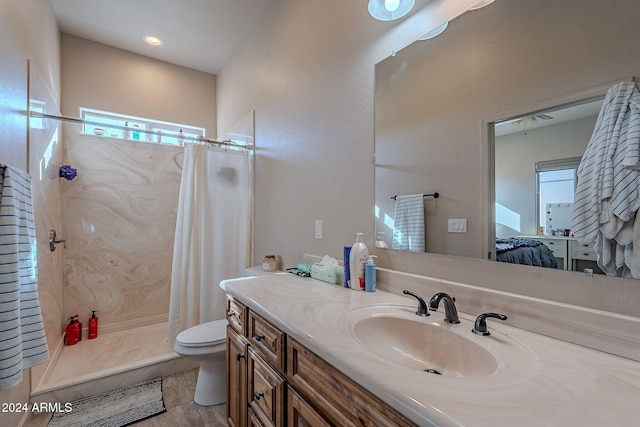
{"points": [[239, 356], [231, 313], [259, 337], [258, 395]]}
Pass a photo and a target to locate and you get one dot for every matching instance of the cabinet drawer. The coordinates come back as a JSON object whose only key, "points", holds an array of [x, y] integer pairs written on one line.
{"points": [[268, 340], [586, 252], [557, 246], [237, 316], [301, 413], [342, 401], [265, 391]]}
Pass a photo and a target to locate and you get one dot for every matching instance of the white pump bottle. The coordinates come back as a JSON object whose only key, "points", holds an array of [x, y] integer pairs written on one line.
{"points": [[357, 259]]}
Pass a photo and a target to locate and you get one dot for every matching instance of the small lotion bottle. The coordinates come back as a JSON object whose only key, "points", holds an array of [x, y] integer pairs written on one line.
{"points": [[370, 275]]}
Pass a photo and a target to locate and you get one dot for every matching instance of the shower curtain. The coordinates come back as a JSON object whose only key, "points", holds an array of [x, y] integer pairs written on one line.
{"points": [[213, 233]]}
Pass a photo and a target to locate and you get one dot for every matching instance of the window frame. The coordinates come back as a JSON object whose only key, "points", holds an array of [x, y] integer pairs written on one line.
{"points": [[550, 166], [151, 131]]}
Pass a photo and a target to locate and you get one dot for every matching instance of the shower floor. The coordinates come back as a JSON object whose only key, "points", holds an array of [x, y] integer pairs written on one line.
{"points": [[114, 357]]}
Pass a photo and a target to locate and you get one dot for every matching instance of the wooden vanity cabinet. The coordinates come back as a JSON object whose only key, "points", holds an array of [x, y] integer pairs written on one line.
{"points": [[272, 380]]}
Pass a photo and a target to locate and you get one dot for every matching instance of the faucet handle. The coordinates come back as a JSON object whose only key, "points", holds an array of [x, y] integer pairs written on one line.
{"points": [[480, 326]]}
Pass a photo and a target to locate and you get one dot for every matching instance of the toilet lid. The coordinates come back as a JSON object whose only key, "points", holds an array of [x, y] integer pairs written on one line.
{"points": [[203, 334]]}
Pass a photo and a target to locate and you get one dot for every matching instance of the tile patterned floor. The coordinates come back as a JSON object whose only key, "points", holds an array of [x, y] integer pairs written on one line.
{"points": [[182, 411]]}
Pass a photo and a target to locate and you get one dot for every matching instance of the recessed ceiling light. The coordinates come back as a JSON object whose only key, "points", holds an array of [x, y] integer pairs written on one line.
{"points": [[153, 41], [388, 10]]}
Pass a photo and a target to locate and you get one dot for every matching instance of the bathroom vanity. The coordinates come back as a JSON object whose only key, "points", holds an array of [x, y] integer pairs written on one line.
{"points": [[304, 352]]}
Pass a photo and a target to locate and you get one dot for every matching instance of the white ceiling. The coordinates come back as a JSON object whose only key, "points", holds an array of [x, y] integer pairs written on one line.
{"points": [[199, 34]]}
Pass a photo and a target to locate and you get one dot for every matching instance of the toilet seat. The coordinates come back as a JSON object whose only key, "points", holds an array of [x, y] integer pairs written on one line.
{"points": [[204, 334]]}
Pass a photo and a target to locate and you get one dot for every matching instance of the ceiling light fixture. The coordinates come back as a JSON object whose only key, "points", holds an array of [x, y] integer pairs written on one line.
{"points": [[481, 4], [153, 41], [388, 10], [435, 32]]}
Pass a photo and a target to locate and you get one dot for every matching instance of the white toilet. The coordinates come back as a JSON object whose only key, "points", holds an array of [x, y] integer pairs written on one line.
{"points": [[206, 342]]}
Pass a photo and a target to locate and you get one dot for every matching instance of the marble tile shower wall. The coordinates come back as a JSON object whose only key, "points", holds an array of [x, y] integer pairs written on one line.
{"points": [[119, 217]]}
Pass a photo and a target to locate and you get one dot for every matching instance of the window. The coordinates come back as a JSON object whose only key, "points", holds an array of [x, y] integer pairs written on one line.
{"points": [[555, 183], [37, 107], [103, 123]]}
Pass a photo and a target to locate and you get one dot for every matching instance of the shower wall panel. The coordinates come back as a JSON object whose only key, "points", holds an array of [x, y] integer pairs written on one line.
{"points": [[119, 215]]}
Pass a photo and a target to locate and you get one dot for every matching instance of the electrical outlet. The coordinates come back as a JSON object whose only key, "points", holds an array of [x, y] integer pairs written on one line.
{"points": [[318, 229]]}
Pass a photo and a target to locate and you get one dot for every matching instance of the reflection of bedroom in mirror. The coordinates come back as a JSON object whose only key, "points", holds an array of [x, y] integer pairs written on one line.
{"points": [[536, 160]]}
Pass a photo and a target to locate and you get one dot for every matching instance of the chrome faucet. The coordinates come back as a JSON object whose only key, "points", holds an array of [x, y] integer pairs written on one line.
{"points": [[450, 311], [480, 327], [422, 306]]}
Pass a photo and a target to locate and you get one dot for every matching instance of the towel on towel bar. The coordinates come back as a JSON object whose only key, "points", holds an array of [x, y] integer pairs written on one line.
{"points": [[408, 225], [22, 339]]}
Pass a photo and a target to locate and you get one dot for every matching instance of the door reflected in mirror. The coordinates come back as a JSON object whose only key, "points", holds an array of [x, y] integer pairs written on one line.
{"points": [[535, 175]]}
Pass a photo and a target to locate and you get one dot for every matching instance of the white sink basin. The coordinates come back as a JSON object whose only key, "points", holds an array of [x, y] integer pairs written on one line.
{"points": [[394, 334], [425, 346]]}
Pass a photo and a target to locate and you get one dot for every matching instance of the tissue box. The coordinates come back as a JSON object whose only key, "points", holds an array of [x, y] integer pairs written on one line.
{"points": [[333, 275]]}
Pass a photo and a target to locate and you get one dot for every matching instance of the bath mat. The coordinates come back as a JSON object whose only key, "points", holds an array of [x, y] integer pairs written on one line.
{"points": [[115, 408]]}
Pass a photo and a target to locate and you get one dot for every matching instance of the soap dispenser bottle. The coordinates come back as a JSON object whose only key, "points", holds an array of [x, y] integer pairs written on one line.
{"points": [[71, 333], [370, 275], [93, 325], [357, 259]]}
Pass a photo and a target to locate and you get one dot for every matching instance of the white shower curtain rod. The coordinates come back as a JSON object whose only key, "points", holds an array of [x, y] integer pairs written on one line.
{"points": [[200, 139]]}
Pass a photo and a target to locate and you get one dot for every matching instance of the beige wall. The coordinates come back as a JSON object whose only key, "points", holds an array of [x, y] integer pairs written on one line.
{"points": [[106, 78], [28, 31], [309, 74]]}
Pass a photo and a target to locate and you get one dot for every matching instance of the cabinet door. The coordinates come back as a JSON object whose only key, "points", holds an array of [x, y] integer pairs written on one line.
{"points": [[265, 391], [236, 379], [300, 413]]}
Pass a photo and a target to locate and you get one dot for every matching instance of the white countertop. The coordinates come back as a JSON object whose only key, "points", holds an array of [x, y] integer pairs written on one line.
{"points": [[552, 383]]}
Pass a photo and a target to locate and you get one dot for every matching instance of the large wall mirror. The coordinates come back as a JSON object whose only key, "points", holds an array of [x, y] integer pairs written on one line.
{"points": [[538, 69]]}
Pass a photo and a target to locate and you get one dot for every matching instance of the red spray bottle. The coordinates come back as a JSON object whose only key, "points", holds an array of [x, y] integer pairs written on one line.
{"points": [[71, 333], [93, 325]]}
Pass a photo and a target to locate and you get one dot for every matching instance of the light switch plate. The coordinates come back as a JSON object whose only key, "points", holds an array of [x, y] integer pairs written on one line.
{"points": [[457, 225]]}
